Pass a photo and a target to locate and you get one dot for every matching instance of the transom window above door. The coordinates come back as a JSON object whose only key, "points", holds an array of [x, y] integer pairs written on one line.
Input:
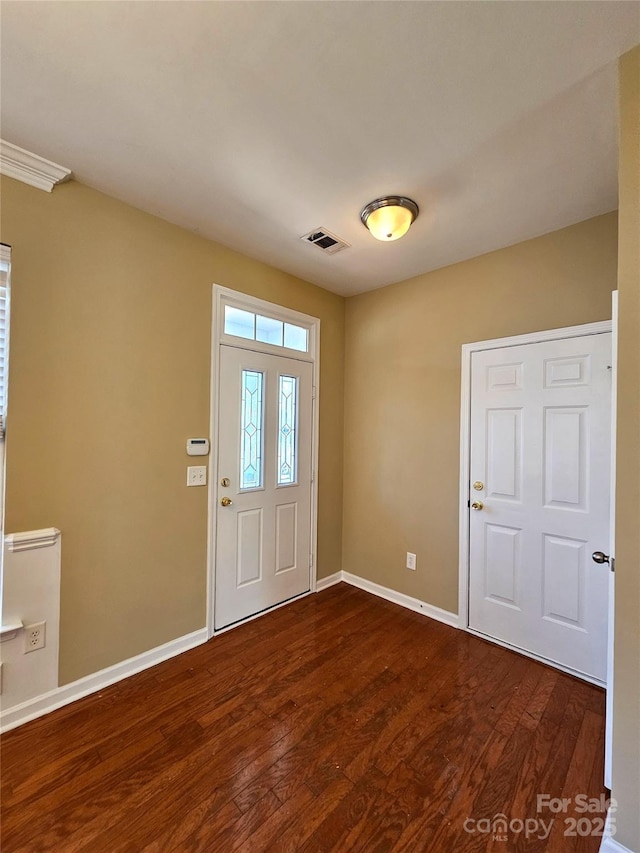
{"points": [[268, 330]]}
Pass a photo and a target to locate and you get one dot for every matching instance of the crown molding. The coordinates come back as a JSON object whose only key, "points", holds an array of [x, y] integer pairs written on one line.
{"points": [[30, 168]]}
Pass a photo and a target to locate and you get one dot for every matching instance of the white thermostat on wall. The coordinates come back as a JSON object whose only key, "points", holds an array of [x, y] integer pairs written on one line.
{"points": [[197, 446]]}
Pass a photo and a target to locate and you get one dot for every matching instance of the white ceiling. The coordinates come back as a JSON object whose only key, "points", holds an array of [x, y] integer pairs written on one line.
{"points": [[255, 122]]}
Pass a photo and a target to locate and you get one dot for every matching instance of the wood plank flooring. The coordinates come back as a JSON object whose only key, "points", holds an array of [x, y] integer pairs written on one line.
{"points": [[338, 723]]}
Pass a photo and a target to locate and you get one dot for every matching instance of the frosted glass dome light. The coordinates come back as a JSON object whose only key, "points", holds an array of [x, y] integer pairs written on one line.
{"points": [[390, 217]]}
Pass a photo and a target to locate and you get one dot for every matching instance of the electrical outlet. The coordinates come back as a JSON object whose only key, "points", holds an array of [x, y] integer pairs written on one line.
{"points": [[411, 561], [35, 636], [197, 475]]}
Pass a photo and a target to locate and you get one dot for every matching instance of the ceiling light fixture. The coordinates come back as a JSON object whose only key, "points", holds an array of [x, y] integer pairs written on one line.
{"points": [[390, 217]]}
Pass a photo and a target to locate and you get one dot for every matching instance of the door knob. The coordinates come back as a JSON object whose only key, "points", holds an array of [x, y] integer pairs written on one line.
{"points": [[599, 557], [477, 505], [225, 501]]}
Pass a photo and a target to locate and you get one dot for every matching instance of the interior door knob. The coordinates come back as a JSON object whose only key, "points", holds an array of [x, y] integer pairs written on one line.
{"points": [[600, 557], [477, 505], [225, 501]]}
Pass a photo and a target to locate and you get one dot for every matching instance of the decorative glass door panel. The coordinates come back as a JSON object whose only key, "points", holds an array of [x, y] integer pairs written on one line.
{"points": [[287, 430], [251, 429]]}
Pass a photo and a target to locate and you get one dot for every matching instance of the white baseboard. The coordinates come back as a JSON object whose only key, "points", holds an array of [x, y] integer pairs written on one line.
{"points": [[47, 702], [325, 583], [609, 844], [392, 595], [16, 716]]}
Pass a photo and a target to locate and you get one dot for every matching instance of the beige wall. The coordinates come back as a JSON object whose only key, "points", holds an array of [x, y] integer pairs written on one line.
{"points": [[109, 374], [402, 391], [626, 718]]}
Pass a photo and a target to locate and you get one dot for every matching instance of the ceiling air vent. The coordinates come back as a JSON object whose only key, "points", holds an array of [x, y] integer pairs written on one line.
{"points": [[325, 240]]}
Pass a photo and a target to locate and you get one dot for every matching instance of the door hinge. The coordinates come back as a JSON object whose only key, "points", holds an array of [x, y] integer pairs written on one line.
{"points": [[310, 561]]}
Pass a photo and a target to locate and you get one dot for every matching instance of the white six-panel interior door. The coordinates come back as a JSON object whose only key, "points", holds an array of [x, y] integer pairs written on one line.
{"points": [[263, 529], [540, 485]]}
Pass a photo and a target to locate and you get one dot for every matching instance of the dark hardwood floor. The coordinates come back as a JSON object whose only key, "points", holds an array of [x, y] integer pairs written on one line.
{"points": [[340, 722]]}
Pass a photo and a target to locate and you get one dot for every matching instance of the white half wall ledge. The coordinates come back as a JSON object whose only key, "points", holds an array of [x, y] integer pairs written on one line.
{"points": [[30, 539], [10, 631], [68, 693], [30, 168], [391, 595]]}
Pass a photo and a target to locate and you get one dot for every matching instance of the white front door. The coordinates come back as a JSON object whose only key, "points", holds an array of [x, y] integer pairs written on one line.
{"points": [[540, 466], [263, 530]]}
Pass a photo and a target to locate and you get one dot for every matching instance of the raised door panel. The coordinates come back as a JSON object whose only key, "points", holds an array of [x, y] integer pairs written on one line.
{"points": [[504, 377], [504, 454], [502, 564], [286, 537], [566, 437], [566, 372], [249, 550], [564, 565]]}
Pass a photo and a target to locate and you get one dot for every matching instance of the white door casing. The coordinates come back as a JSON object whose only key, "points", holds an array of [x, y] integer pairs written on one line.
{"points": [[538, 439], [608, 737], [264, 535]]}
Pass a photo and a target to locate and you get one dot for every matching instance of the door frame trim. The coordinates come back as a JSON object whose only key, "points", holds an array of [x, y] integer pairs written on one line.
{"points": [[221, 296], [465, 437], [609, 710]]}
